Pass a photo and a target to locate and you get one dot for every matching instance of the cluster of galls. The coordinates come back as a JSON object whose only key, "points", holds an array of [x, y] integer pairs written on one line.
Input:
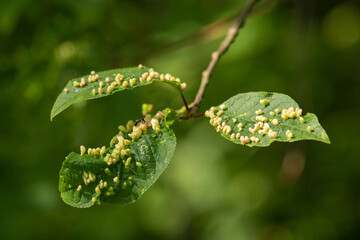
{"points": [[121, 151], [119, 81], [216, 121], [261, 126], [149, 76]]}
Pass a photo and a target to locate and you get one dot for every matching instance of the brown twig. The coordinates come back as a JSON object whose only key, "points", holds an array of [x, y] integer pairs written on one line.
{"points": [[185, 103], [215, 56]]}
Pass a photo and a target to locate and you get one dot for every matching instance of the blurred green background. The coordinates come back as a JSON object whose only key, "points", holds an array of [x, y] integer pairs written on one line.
{"points": [[213, 189]]}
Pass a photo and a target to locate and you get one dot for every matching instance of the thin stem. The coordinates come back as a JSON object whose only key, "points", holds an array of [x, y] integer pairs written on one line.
{"points": [[185, 103], [215, 56]]}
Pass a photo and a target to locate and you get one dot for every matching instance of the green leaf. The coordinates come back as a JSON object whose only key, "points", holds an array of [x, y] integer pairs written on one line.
{"points": [[76, 94], [126, 180], [171, 116], [270, 114]]}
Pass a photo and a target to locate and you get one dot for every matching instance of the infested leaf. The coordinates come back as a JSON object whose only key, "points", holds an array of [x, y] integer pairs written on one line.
{"points": [[130, 78], [126, 180], [260, 118]]}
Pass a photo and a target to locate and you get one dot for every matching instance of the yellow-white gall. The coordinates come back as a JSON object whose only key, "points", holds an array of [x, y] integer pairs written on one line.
{"points": [[299, 112], [147, 118], [234, 120], [93, 199], [101, 84], [66, 90], [109, 89], [79, 188], [82, 82], [124, 185], [208, 114], [264, 101], [76, 83], [227, 129], [245, 139], [129, 125], [97, 190], [82, 150], [213, 109], [223, 107], [262, 131], [259, 112], [272, 114], [223, 124], [100, 90], [159, 115], [140, 66], [125, 84], [237, 136], [116, 180], [252, 130], [143, 127], [232, 136], [138, 164], [136, 133], [275, 122], [289, 134], [183, 85], [277, 110], [107, 80], [155, 125], [92, 177], [122, 128], [92, 72], [219, 113], [102, 150], [273, 134], [309, 128], [125, 152], [145, 75], [292, 114], [302, 120], [132, 81], [128, 162], [93, 92], [240, 125], [167, 76]]}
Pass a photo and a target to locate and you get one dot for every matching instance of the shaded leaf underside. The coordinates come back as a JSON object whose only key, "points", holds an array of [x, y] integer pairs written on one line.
{"points": [[153, 150], [78, 94]]}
